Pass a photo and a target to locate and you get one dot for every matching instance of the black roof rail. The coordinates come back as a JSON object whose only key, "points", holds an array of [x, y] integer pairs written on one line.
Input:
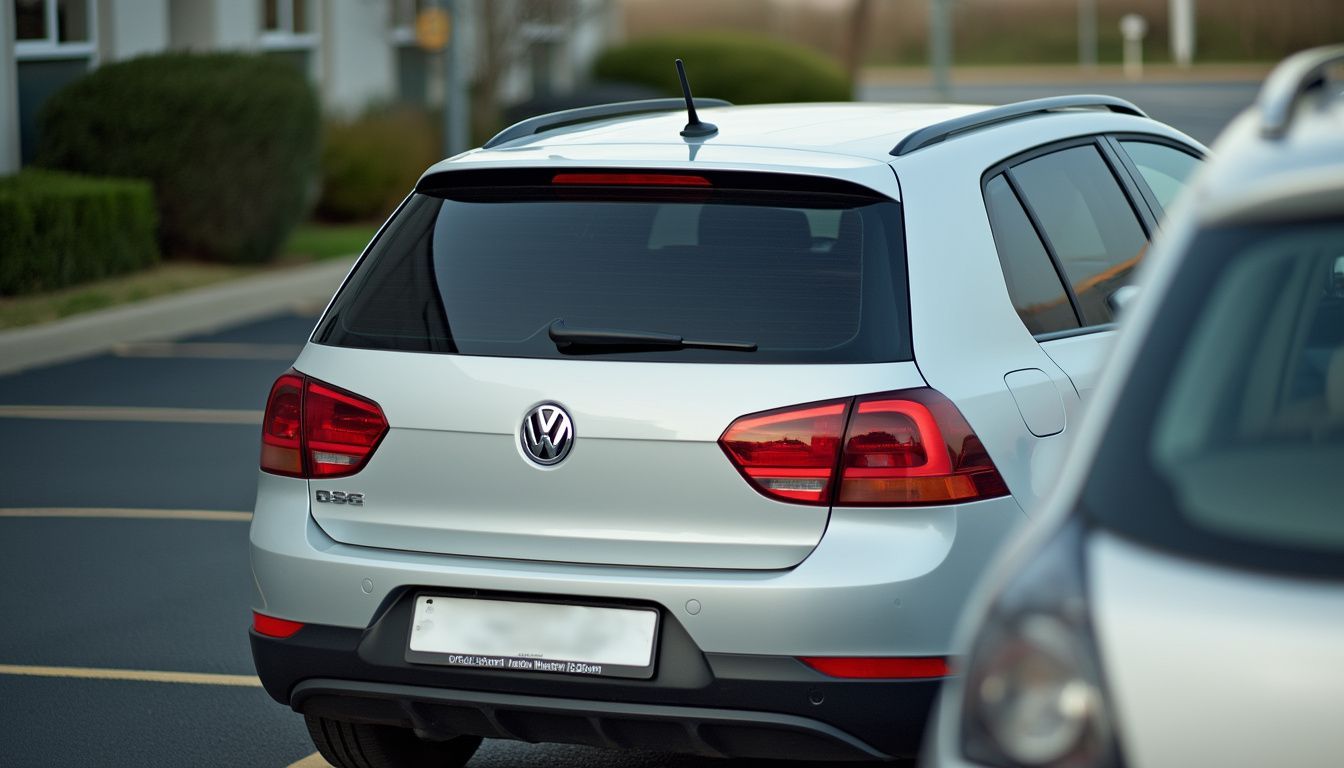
{"points": [[540, 123], [1288, 82], [939, 132]]}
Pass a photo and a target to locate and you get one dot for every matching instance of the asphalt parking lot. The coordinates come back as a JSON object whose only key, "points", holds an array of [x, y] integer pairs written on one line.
{"points": [[128, 480]]}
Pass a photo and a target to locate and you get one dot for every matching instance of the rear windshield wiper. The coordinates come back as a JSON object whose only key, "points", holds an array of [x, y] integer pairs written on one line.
{"points": [[571, 339]]}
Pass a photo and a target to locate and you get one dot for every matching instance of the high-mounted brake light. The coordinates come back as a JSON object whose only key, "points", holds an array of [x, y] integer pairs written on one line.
{"points": [[312, 429], [881, 668], [630, 180], [911, 447]]}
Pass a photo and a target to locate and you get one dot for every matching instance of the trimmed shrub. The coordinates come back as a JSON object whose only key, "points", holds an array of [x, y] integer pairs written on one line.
{"points": [[369, 164], [228, 140], [743, 69], [58, 229]]}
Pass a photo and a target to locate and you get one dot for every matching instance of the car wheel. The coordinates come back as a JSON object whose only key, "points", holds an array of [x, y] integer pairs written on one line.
{"points": [[360, 745]]}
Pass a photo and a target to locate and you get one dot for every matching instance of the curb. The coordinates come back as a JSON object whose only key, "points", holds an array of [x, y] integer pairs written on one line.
{"points": [[168, 317]]}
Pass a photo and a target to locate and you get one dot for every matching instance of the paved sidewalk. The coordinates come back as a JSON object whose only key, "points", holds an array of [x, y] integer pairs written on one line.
{"points": [[168, 317]]}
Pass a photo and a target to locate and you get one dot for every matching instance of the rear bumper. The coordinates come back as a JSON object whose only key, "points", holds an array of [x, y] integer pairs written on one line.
{"points": [[727, 681], [880, 583], [711, 704]]}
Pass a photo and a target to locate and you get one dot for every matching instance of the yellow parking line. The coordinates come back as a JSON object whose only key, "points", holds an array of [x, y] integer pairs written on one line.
{"points": [[138, 675], [312, 761], [124, 413], [209, 350], [137, 514]]}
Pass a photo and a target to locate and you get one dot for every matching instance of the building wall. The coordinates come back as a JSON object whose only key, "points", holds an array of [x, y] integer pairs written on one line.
{"points": [[130, 28], [237, 23], [357, 57], [191, 24]]}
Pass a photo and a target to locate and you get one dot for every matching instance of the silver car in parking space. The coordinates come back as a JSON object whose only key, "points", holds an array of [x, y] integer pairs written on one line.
{"points": [[1182, 604], [693, 438]]}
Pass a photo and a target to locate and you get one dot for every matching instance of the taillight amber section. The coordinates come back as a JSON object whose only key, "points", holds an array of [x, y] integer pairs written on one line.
{"points": [[904, 448], [312, 429], [282, 427]]}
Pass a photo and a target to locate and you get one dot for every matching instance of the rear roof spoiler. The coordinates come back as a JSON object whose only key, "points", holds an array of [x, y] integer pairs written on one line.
{"points": [[543, 123]]}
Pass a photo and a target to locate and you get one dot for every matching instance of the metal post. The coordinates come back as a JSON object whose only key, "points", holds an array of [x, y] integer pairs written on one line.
{"points": [[1087, 34], [940, 47], [456, 104], [1182, 31]]}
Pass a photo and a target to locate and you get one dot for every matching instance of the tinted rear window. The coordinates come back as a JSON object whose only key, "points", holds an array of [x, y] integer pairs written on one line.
{"points": [[486, 269], [1232, 441]]}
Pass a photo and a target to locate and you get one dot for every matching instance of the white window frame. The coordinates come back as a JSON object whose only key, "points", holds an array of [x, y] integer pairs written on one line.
{"points": [[284, 38], [51, 47]]}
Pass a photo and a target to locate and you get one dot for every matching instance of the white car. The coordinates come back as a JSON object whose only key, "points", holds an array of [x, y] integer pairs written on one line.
{"points": [[1182, 601], [636, 431]]}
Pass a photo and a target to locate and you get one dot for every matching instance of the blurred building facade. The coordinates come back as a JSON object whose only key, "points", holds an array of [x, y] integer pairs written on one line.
{"points": [[356, 52]]}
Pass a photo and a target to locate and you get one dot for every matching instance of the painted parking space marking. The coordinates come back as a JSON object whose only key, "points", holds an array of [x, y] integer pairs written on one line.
{"points": [[130, 413], [133, 514], [312, 761], [207, 350], [137, 675]]}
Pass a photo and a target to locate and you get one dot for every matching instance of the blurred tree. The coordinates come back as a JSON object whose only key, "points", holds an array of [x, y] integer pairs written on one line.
{"points": [[512, 33]]}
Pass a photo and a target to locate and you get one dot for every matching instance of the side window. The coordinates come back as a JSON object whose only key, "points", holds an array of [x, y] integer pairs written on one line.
{"points": [[1033, 284], [1088, 223], [1164, 169]]}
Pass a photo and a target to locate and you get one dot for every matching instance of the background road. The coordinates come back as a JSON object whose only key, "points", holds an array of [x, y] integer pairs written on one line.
{"points": [[127, 481]]}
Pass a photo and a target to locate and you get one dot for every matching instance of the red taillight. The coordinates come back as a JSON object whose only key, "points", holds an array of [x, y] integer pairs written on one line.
{"points": [[789, 453], [282, 427], [340, 430], [892, 449], [883, 668], [273, 627], [630, 180], [312, 429]]}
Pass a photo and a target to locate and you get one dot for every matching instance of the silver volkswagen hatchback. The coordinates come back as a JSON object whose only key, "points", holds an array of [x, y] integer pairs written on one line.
{"points": [[637, 433]]}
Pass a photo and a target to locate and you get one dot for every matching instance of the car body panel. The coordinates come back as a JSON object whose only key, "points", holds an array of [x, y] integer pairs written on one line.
{"points": [[645, 484], [881, 578], [1217, 666]]}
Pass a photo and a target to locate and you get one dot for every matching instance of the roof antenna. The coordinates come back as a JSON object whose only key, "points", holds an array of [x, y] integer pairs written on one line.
{"points": [[695, 128]]}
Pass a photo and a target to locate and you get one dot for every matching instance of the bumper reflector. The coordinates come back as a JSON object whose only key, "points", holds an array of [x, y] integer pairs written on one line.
{"points": [[890, 668], [273, 627]]}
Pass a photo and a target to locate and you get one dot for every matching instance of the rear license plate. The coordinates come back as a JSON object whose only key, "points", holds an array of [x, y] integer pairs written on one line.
{"points": [[533, 637]]}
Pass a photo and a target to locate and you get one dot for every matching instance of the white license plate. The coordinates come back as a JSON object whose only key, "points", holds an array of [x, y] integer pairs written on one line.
{"points": [[533, 637]]}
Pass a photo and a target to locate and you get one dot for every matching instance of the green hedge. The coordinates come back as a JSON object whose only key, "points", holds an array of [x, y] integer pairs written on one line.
{"points": [[743, 69], [58, 229], [228, 140], [369, 164]]}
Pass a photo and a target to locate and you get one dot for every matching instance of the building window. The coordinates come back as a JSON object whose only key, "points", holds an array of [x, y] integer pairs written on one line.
{"points": [[286, 24], [53, 28]]}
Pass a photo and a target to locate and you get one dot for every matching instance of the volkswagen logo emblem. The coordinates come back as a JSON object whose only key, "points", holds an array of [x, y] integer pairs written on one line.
{"points": [[547, 434]]}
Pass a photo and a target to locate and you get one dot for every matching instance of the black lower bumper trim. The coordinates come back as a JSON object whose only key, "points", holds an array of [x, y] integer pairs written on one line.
{"points": [[718, 704], [439, 713]]}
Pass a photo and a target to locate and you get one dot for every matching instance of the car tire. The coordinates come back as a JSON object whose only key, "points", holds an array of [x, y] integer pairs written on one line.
{"points": [[361, 745]]}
